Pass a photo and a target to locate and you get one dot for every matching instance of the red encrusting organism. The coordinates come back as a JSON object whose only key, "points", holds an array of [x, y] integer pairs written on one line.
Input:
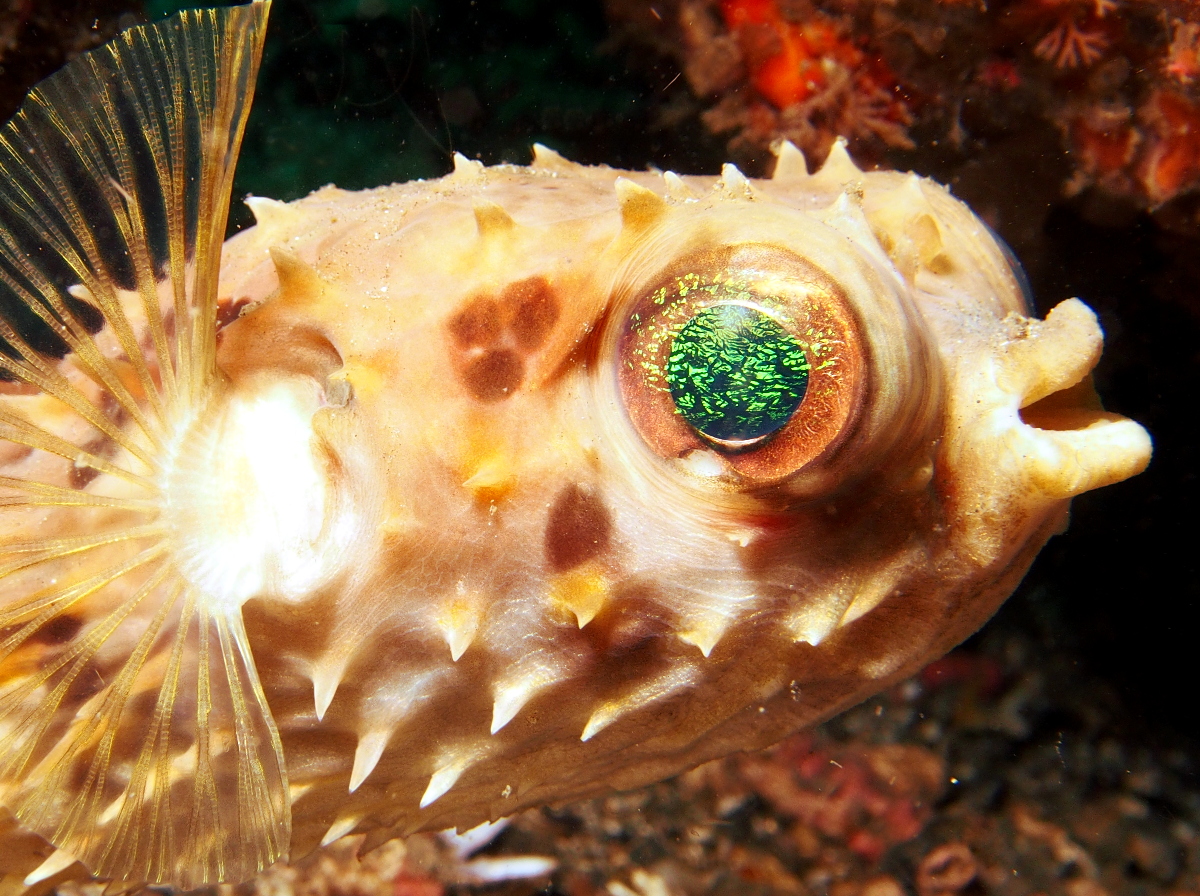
{"points": [[1118, 79], [795, 66], [1171, 162], [785, 70]]}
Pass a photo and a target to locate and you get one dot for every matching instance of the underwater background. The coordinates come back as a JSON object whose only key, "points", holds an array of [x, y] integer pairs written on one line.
{"points": [[1098, 649]]}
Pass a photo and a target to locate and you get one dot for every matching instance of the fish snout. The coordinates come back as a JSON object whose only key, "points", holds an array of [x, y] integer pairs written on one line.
{"points": [[1026, 431]]}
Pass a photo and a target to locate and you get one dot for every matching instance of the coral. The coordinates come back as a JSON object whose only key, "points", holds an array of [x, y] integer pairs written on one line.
{"points": [[810, 78], [1118, 79], [1070, 45]]}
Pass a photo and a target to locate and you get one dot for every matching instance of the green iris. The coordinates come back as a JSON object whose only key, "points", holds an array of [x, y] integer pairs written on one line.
{"points": [[735, 374]]}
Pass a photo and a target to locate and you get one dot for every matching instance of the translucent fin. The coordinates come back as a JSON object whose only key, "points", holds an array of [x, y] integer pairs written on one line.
{"points": [[134, 733]]}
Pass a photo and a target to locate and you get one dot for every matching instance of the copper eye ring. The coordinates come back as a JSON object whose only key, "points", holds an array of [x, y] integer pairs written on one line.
{"points": [[771, 284]]}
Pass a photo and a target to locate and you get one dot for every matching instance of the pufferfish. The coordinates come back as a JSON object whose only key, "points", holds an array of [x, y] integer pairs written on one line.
{"points": [[410, 508]]}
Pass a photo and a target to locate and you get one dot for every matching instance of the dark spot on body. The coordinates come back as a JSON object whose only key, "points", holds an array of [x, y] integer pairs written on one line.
{"points": [[578, 529], [478, 324], [534, 309], [81, 476], [59, 630], [494, 375], [83, 688], [229, 310]]}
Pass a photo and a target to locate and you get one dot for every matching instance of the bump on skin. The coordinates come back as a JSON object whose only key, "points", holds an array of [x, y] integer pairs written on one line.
{"points": [[492, 221], [366, 756], [467, 172], [640, 206], [839, 169], [733, 183], [677, 189], [656, 690], [340, 829], [790, 164], [546, 159]]}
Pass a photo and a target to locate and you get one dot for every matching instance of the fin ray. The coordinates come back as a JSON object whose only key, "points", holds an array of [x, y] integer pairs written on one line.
{"points": [[134, 732]]}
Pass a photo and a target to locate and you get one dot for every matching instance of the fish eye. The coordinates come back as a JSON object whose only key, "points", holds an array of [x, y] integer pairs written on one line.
{"points": [[736, 374], [747, 351]]}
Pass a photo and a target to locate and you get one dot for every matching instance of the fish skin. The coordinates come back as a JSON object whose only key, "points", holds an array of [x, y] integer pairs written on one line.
{"points": [[479, 571]]}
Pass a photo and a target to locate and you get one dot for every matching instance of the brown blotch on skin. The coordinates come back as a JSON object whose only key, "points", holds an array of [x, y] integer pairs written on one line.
{"points": [[81, 475], [478, 324], [229, 310], [578, 529], [494, 375], [534, 309], [59, 630]]}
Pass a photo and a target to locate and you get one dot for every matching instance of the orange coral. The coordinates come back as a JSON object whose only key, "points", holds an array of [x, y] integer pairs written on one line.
{"points": [[1104, 142], [790, 61], [1120, 79], [1183, 57], [1172, 162]]}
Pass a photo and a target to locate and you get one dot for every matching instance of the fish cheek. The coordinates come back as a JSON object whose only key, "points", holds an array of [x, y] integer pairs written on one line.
{"points": [[275, 340]]}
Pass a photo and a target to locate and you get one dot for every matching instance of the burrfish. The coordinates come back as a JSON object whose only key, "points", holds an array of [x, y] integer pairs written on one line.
{"points": [[409, 508]]}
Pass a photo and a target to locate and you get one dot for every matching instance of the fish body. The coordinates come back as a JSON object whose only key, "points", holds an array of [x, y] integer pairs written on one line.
{"points": [[413, 507]]}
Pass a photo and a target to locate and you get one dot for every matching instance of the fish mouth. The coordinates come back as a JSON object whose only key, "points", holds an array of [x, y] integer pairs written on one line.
{"points": [[1068, 442]]}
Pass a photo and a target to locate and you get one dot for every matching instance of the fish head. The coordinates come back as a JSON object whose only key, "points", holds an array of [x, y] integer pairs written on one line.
{"points": [[663, 451]]}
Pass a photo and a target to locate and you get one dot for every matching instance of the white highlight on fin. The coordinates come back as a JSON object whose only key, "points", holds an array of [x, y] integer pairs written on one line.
{"points": [[59, 860], [657, 689], [366, 756], [251, 498], [340, 829], [789, 162]]}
